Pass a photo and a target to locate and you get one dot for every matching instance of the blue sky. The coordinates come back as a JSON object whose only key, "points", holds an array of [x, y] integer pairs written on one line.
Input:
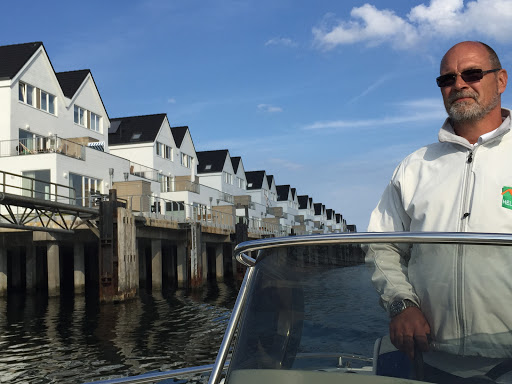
{"points": [[327, 96]]}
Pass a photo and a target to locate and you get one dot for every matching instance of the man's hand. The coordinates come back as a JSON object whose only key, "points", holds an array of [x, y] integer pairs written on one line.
{"points": [[407, 328]]}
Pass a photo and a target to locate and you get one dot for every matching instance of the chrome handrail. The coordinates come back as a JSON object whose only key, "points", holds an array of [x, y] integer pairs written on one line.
{"points": [[372, 237], [151, 377], [231, 328]]}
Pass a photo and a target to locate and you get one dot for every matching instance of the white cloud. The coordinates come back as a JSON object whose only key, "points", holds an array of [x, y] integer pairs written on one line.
{"points": [[285, 41], [371, 123], [439, 19], [269, 108], [368, 24]]}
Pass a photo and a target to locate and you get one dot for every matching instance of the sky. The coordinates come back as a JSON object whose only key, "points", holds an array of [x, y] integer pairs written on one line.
{"points": [[326, 95]]}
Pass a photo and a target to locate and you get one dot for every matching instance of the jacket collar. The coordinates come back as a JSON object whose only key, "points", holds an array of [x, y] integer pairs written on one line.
{"points": [[448, 135]]}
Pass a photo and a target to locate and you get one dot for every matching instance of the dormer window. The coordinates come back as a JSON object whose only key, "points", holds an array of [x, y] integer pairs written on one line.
{"points": [[208, 167], [136, 136]]}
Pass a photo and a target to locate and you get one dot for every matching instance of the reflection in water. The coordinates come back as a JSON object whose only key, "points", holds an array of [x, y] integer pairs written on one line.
{"points": [[74, 339]]}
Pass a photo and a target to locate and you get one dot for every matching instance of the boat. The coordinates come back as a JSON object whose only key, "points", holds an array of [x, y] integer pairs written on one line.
{"points": [[306, 312]]}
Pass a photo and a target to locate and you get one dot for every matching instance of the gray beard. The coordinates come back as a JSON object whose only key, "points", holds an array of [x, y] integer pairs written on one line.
{"points": [[463, 112]]}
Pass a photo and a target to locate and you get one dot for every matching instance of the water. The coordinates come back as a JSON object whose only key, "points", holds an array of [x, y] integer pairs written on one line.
{"points": [[72, 340], [75, 340]]}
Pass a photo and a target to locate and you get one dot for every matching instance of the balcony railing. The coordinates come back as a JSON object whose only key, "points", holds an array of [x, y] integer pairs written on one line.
{"points": [[227, 197], [40, 145], [184, 185], [143, 171], [177, 211], [36, 188]]}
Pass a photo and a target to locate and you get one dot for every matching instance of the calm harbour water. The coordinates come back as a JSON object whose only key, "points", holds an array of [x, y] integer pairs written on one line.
{"points": [[76, 340]]}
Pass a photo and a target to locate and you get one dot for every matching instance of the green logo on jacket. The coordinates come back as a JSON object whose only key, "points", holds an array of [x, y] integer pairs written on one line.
{"points": [[506, 194]]}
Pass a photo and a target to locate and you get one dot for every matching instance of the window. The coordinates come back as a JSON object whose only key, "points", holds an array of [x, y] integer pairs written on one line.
{"points": [[165, 183], [186, 160], [37, 184], [95, 122], [36, 97], [228, 178], [240, 183], [208, 167], [174, 206], [87, 119], [159, 149], [136, 136], [79, 116], [163, 150], [84, 187]]}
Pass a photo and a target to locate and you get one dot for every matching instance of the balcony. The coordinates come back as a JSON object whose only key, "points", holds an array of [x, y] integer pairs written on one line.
{"points": [[184, 185], [143, 171], [40, 145]]}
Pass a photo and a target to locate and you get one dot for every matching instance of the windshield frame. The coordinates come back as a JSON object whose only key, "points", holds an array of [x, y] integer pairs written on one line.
{"points": [[241, 253]]}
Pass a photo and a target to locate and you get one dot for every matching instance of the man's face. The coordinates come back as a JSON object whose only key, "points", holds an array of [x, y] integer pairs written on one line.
{"points": [[465, 102]]}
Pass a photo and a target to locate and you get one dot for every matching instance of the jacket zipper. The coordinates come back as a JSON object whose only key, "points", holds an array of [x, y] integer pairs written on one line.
{"points": [[464, 217]]}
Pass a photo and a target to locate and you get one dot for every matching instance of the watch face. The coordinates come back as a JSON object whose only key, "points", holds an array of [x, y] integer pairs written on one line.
{"points": [[396, 307]]}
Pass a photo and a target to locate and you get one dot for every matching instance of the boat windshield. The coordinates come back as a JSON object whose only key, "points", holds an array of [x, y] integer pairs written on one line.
{"points": [[312, 313]]}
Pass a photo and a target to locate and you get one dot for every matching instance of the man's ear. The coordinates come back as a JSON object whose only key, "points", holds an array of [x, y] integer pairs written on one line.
{"points": [[502, 80]]}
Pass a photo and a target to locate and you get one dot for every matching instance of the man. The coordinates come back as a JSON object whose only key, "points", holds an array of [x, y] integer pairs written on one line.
{"points": [[451, 186]]}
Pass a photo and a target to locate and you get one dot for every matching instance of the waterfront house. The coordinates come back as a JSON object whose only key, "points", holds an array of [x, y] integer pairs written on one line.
{"points": [[56, 126], [307, 212], [319, 218], [161, 154], [216, 173], [286, 200]]}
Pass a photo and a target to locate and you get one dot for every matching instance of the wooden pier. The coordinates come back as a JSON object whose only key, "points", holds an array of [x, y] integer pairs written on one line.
{"points": [[111, 253]]}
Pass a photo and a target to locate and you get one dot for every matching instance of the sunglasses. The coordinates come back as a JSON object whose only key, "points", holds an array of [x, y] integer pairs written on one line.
{"points": [[469, 76]]}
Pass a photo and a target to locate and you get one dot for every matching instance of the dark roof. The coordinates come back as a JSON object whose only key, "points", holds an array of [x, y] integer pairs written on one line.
{"points": [[318, 208], [270, 178], [211, 161], [310, 201], [255, 178], [71, 81], [14, 57], [236, 161], [303, 201], [338, 218], [351, 228], [282, 192], [179, 134], [294, 192], [135, 129], [329, 214]]}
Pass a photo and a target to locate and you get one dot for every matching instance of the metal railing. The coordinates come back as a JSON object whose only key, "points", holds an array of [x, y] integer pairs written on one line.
{"points": [[260, 227], [184, 185], [40, 145], [155, 377], [178, 211], [143, 171], [36, 188], [230, 199]]}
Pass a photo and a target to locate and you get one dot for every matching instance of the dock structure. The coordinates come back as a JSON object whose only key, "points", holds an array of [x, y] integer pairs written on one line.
{"points": [[112, 250]]}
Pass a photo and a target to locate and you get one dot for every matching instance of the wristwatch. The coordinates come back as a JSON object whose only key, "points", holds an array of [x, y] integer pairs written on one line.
{"points": [[398, 306]]}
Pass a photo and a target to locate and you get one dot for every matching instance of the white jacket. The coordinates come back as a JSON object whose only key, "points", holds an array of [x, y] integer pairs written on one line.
{"points": [[465, 292]]}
